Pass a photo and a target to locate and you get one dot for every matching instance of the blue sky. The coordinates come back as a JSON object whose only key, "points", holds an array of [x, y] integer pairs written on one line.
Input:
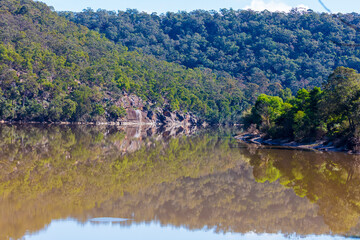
{"points": [[161, 6]]}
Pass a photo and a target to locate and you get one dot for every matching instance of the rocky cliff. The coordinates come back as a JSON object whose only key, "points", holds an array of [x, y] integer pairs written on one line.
{"points": [[137, 114]]}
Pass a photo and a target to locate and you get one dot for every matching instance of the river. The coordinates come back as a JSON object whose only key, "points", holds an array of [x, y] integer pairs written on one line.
{"points": [[109, 182]]}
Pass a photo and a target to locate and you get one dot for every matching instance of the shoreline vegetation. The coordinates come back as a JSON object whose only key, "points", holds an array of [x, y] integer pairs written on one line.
{"points": [[328, 118], [80, 123], [154, 124]]}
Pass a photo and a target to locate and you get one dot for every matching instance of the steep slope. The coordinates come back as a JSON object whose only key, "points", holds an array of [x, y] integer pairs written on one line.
{"points": [[267, 51], [54, 70]]}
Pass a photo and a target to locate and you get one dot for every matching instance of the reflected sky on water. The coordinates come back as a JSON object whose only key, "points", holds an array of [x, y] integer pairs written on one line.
{"points": [[71, 229]]}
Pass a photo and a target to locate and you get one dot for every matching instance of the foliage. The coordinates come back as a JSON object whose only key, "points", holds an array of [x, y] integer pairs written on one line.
{"points": [[266, 51], [342, 101], [54, 70], [334, 112], [117, 112]]}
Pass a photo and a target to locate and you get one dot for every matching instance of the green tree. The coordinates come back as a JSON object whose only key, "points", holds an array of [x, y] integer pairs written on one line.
{"points": [[341, 98], [117, 112], [268, 109]]}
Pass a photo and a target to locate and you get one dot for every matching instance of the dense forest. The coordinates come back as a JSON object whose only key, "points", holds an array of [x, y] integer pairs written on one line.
{"points": [[76, 66], [266, 51], [54, 70], [333, 111]]}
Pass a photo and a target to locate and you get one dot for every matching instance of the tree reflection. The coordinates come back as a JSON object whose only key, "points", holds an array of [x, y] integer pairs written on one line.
{"points": [[172, 176], [331, 180]]}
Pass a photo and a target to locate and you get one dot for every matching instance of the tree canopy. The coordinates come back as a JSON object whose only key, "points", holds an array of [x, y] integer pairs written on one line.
{"points": [[333, 111], [54, 70], [267, 51]]}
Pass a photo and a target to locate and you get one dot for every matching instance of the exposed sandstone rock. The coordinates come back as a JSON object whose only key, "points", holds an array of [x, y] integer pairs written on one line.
{"points": [[158, 117], [138, 115], [131, 102]]}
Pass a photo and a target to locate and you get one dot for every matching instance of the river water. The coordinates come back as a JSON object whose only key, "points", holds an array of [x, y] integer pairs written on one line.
{"points": [[88, 182]]}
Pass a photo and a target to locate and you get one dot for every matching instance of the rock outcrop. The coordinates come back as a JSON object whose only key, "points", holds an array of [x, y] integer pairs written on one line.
{"points": [[138, 115], [159, 116]]}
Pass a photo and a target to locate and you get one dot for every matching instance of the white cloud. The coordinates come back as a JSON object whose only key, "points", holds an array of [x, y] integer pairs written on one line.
{"points": [[303, 6], [272, 6]]}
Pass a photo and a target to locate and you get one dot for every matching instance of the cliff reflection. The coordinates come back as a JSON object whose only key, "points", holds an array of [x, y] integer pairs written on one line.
{"points": [[59, 172], [203, 179]]}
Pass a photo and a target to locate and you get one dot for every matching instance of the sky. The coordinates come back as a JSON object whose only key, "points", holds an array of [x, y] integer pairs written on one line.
{"points": [[162, 6]]}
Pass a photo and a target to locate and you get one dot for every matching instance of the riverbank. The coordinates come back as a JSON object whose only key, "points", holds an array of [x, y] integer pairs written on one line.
{"points": [[123, 124], [320, 145], [134, 117], [82, 123]]}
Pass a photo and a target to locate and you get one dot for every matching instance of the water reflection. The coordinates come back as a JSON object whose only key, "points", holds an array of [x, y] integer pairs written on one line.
{"points": [[109, 220], [331, 180], [173, 177], [59, 230]]}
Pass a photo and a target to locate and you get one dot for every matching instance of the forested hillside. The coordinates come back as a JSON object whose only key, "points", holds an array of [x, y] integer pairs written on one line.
{"points": [[267, 51], [54, 70]]}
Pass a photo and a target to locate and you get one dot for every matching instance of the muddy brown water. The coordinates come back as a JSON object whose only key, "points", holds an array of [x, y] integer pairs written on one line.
{"points": [[82, 182]]}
